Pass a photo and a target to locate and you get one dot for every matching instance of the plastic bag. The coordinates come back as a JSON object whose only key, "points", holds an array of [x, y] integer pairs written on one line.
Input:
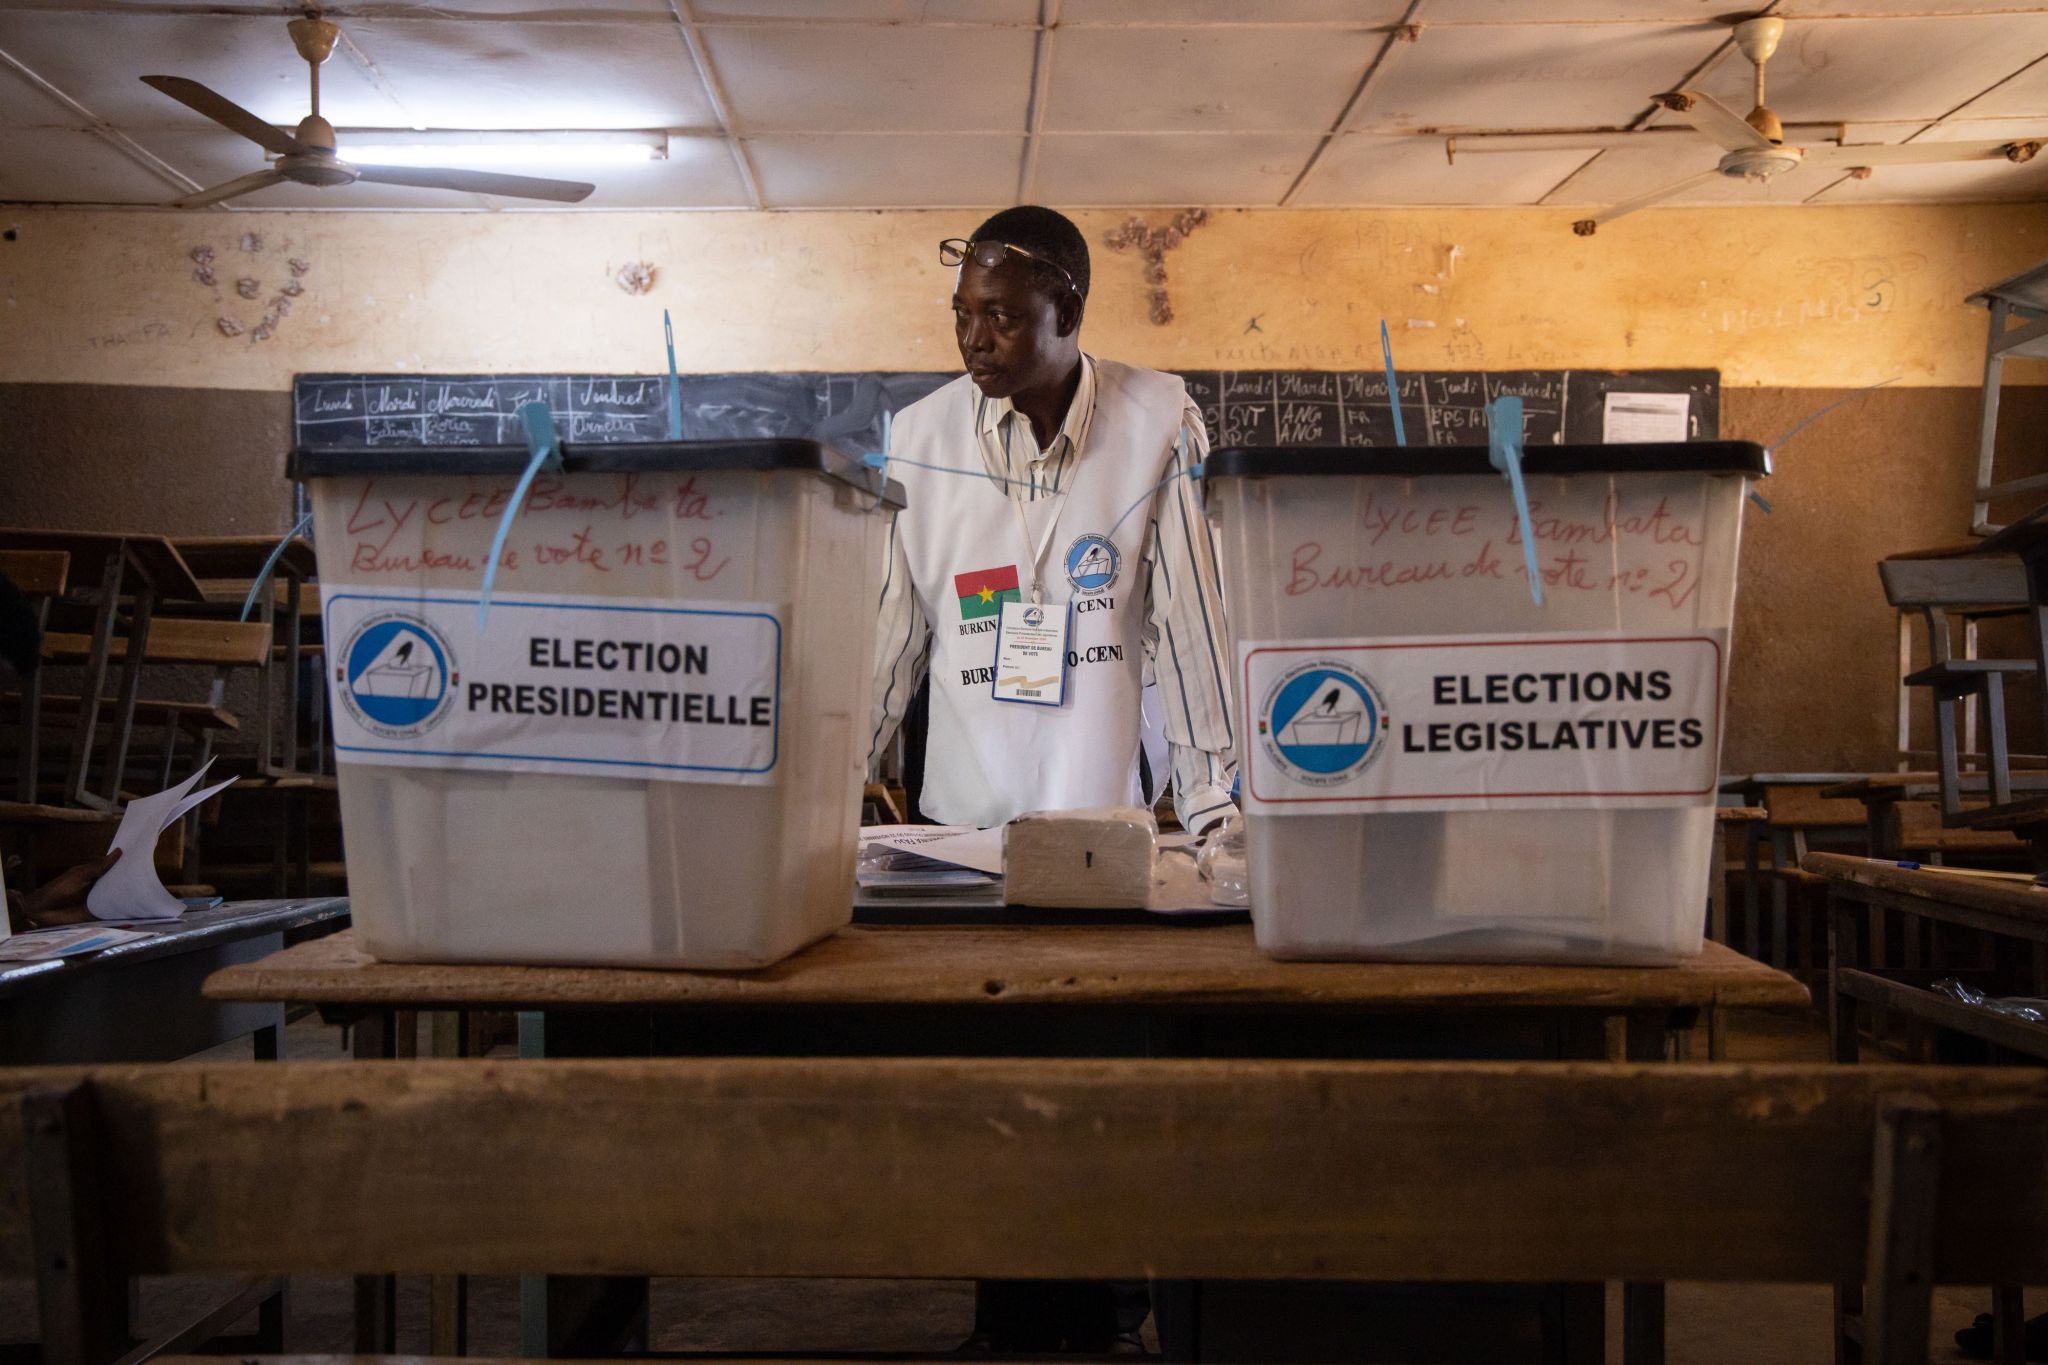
{"points": [[2018, 1007], [1222, 863]]}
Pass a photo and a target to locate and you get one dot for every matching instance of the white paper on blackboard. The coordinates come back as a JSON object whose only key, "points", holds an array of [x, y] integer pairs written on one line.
{"points": [[1646, 417]]}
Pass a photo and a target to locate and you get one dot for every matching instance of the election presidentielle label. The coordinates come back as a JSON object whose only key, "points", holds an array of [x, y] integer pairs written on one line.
{"points": [[602, 686], [1481, 722]]}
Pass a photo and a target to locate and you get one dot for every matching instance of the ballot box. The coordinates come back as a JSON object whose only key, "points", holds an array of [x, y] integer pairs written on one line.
{"points": [[1435, 766], [649, 751]]}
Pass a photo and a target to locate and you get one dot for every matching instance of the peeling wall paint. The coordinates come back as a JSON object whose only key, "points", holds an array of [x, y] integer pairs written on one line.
{"points": [[1834, 297]]}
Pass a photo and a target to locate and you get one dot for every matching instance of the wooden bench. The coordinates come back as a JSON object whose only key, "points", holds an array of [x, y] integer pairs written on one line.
{"points": [[1885, 1180], [177, 641]]}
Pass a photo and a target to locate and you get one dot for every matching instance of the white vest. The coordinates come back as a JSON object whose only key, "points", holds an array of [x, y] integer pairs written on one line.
{"points": [[988, 761]]}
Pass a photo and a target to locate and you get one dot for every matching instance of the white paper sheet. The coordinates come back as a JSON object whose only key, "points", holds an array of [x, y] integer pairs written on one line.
{"points": [[1646, 417], [131, 890], [912, 838], [980, 849]]}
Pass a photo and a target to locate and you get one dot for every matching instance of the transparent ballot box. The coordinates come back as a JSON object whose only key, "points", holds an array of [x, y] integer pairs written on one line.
{"points": [[650, 751], [1436, 767]]}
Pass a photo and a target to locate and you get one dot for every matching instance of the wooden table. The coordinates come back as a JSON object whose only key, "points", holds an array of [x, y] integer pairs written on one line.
{"points": [[150, 570], [1045, 990]]}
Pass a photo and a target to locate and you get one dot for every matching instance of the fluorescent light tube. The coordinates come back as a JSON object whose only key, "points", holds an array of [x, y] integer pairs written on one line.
{"points": [[501, 148]]}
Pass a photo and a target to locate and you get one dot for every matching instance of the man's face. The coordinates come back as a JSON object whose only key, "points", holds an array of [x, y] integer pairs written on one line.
{"points": [[1011, 324]]}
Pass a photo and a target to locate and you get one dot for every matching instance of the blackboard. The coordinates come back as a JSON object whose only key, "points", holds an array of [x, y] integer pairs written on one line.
{"points": [[1242, 407]]}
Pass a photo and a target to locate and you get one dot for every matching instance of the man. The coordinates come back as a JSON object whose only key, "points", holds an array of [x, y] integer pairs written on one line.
{"points": [[1047, 477], [1049, 499]]}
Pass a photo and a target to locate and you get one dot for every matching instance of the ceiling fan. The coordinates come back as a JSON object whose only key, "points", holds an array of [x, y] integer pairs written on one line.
{"points": [[1753, 148], [307, 156]]}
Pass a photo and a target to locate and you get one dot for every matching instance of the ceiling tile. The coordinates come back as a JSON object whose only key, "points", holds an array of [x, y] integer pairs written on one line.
{"points": [[1371, 13], [1183, 79], [58, 164], [1968, 180], [2023, 96], [1375, 169], [829, 77], [616, 10], [453, 74], [23, 105], [872, 11], [1530, 75], [1898, 68], [1132, 169], [98, 60], [878, 171]]}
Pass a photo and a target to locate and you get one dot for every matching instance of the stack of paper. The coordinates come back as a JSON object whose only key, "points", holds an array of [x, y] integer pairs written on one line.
{"points": [[131, 890], [909, 860]]}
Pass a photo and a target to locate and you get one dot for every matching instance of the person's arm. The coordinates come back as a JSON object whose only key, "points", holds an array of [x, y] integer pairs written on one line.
{"points": [[61, 900], [1190, 640], [902, 649]]}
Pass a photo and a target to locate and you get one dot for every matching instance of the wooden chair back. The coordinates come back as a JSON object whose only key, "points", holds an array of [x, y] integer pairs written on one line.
{"points": [[1962, 583], [38, 573], [1029, 1168]]}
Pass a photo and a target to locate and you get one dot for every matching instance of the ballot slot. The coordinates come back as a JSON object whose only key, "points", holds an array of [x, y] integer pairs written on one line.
{"points": [[1436, 766], [645, 752]]}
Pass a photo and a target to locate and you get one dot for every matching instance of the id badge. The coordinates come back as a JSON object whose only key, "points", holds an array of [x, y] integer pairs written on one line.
{"points": [[1031, 653]]}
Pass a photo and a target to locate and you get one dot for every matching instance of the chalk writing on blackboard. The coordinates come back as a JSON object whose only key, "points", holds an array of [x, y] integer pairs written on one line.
{"points": [[1239, 407]]}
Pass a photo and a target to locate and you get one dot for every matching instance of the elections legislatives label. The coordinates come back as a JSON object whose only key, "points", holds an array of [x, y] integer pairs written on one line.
{"points": [[602, 686], [1481, 722]]}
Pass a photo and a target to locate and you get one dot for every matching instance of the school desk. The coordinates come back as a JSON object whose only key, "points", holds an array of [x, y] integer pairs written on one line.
{"points": [[140, 1001], [1903, 814], [1130, 990], [227, 567], [2001, 909]]}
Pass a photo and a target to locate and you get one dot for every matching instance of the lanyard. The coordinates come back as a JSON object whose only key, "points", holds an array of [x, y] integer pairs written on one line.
{"points": [[1052, 521], [1037, 555]]}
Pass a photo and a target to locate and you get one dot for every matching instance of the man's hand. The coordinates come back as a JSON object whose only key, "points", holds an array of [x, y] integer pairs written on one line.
{"points": [[61, 900]]}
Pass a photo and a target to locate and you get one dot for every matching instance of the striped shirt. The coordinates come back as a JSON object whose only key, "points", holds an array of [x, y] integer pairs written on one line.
{"points": [[1187, 643]]}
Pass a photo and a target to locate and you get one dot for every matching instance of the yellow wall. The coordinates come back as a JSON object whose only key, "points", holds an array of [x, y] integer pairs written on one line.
{"points": [[1815, 298]]}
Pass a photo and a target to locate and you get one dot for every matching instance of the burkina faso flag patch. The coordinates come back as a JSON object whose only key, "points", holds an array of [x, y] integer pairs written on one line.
{"points": [[983, 592]]}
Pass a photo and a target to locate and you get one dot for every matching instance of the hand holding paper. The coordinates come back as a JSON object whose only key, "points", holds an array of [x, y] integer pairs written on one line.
{"points": [[131, 890]]}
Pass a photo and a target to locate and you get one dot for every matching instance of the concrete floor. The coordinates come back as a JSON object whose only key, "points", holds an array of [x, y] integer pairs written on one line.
{"points": [[1707, 1324]]}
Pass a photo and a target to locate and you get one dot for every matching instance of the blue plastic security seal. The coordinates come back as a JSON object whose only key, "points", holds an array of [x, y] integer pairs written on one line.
{"points": [[1504, 451], [675, 385], [276, 553], [546, 451], [1393, 389]]}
